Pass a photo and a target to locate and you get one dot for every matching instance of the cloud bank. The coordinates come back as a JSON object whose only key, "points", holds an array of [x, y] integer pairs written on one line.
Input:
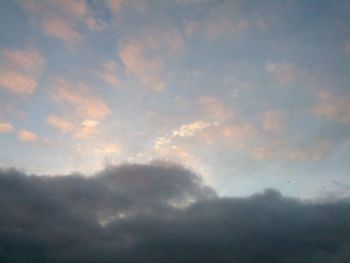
{"points": [[161, 212]]}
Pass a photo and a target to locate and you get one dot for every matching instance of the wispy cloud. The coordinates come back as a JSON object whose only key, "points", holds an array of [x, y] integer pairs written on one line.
{"points": [[27, 136]]}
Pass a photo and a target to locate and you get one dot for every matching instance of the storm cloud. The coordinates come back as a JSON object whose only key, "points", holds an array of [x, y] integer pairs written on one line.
{"points": [[161, 212]]}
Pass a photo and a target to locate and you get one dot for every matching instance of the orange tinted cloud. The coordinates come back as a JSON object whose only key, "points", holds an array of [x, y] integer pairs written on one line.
{"points": [[6, 127], [27, 136]]}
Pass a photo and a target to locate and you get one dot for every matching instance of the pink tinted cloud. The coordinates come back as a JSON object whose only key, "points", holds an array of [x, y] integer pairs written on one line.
{"points": [[332, 106], [273, 121], [146, 54], [62, 29], [27, 136], [17, 83], [20, 69], [85, 104], [6, 127]]}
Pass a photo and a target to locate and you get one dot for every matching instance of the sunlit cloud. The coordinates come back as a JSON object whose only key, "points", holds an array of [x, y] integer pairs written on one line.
{"points": [[191, 129], [17, 83], [60, 123], [79, 96], [332, 106], [145, 55], [213, 108], [20, 69], [6, 127], [27, 136], [61, 29]]}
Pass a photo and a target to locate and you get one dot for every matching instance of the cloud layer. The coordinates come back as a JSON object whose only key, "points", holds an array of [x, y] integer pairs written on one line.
{"points": [[161, 213]]}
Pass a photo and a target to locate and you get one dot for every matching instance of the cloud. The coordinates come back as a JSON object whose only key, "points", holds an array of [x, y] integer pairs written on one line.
{"points": [[109, 73], [161, 213], [224, 26], [283, 73], [281, 150], [17, 83], [191, 129], [115, 5], [273, 121], [238, 132], [332, 106], [6, 127], [146, 55], [347, 48], [62, 29], [27, 136], [60, 123], [76, 7], [78, 95], [213, 108], [20, 69]]}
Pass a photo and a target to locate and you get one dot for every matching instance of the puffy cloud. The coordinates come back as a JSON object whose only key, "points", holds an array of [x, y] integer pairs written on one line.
{"points": [[145, 55], [27, 136], [86, 104], [191, 129], [17, 82], [6, 127], [109, 148], [62, 29], [76, 7], [25, 61], [20, 69], [332, 106], [161, 213]]}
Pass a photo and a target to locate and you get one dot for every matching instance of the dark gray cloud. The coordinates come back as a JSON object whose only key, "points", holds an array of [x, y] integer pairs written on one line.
{"points": [[161, 213]]}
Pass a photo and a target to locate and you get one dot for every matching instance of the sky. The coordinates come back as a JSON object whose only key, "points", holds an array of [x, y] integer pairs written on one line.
{"points": [[247, 94]]}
